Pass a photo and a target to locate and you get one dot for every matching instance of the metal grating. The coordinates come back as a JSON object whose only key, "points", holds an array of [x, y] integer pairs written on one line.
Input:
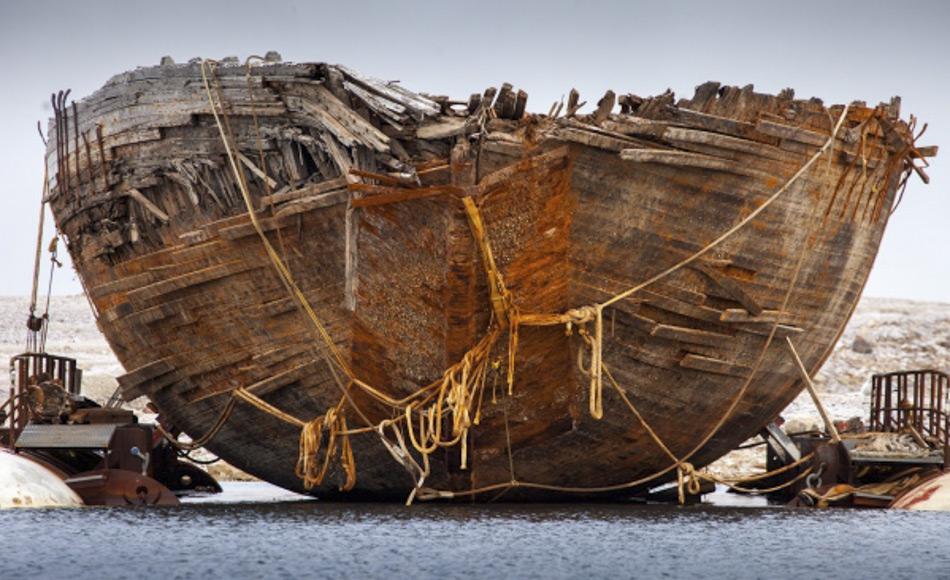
{"points": [[66, 436]]}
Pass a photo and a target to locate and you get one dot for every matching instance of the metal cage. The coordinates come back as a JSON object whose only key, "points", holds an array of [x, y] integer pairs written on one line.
{"points": [[911, 398], [26, 369]]}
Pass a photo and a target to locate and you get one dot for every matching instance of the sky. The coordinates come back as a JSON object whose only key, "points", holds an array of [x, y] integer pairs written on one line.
{"points": [[837, 50]]}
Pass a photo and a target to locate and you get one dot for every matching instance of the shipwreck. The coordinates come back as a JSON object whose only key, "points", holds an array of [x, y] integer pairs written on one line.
{"points": [[351, 289]]}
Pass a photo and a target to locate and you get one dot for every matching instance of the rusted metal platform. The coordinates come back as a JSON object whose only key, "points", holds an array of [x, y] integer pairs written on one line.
{"points": [[905, 447], [103, 454]]}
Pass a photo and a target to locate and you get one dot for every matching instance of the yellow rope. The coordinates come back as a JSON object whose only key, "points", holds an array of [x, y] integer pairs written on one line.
{"points": [[204, 439], [500, 296], [687, 474], [690, 480], [266, 407], [456, 394], [309, 468]]}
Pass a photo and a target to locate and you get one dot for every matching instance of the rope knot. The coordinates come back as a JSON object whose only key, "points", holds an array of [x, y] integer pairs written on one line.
{"points": [[581, 314], [688, 480], [594, 341]]}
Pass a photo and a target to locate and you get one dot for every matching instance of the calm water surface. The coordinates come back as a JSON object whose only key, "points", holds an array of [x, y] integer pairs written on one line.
{"points": [[275, 536]]}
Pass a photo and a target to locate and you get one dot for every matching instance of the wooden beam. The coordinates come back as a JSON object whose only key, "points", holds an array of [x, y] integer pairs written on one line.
{"points": [[743, 315], [689, 335], [256, 170], [697, 160], [730, 287], [308, 190], [806, 378], [147, 204], [796, 134], [282, 379], [604, 106], [147, 379], [713, 365]]}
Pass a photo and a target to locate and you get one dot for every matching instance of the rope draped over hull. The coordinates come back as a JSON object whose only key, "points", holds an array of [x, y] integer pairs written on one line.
{"points": [[464, 383], [439, 415]]}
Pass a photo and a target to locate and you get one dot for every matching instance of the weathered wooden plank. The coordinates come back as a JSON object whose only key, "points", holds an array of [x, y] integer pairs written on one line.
{"points": [[388, 195], [281, 353], [765, 329], [121, 285], [690, 335], [147, 204], [505, 102], [419, 106], [546, 161], [730, 287], [676, 306], [331, 110], [313, 202], [708, 122], [591, 139], [277, 307], [257, 171], [692, 160], [709, 364], [188, 280], [308, 190], [791, 133], [924, 152], [573, 103], [728, 142], [133, 384], [165, 312], [743, 315], [389, 111], [282, 379], [604, 106], [442, 128], [214, 361], [243, 230], [116, 312], [521, 102], [635, 126]]}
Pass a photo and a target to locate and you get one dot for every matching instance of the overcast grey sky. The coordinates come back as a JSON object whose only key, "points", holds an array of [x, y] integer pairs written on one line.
{"points": [[839, 51]]}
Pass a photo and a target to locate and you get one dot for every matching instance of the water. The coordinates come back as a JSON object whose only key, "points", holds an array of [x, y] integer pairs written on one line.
{"points": [[276, 536]]}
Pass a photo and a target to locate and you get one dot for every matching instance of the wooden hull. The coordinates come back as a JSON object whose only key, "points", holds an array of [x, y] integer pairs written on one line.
{"points": [[194, 309]]}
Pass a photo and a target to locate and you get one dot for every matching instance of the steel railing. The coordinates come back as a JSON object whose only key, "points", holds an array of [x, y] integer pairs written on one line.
{"points": [[29, 369]]}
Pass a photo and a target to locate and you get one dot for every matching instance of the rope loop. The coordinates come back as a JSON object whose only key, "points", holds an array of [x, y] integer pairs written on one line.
{"points": [[688, 480]]}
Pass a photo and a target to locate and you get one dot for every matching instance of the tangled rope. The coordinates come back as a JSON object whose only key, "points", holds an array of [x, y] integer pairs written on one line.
{"points": [[309, 467]]}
